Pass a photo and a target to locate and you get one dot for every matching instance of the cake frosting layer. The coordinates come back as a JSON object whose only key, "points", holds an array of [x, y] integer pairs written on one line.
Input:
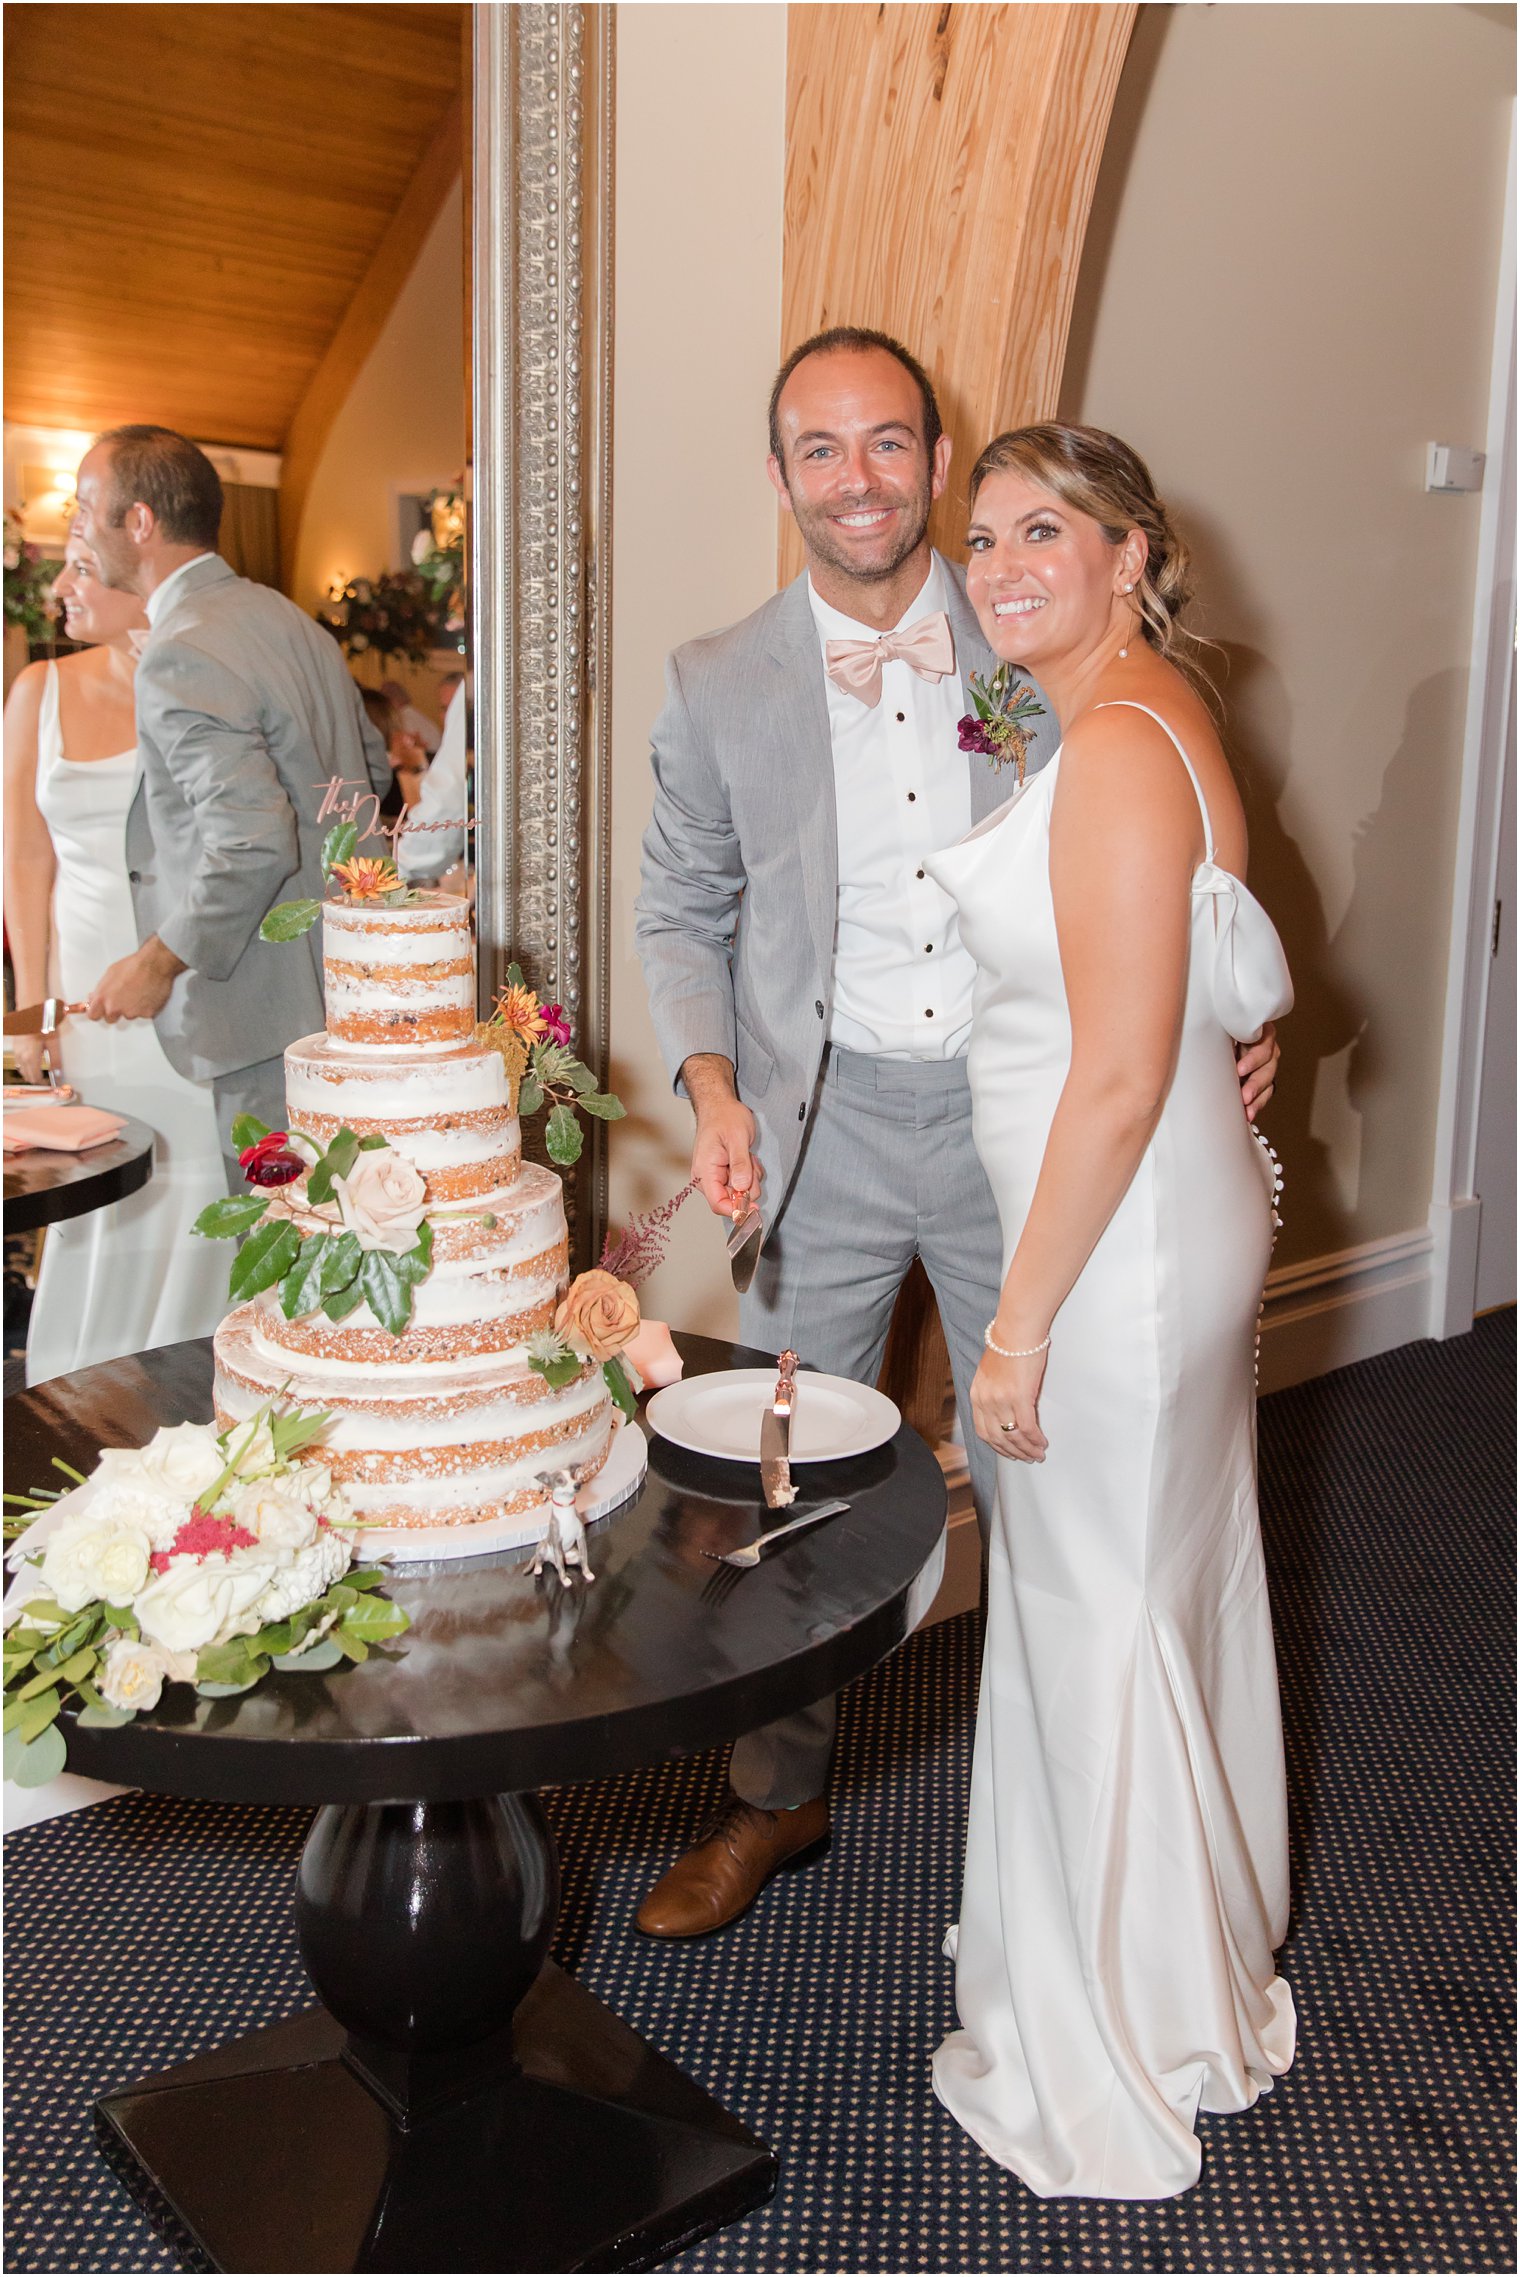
{"points": [[455, 1446], [447, 1112], [498, 1272], [399, 974]]}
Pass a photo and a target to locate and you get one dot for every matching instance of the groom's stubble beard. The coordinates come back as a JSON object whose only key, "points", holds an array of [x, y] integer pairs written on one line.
{"points": [[815, 527]]}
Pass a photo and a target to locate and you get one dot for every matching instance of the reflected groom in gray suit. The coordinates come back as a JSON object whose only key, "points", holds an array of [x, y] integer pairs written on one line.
{"points": [[245, 709], [807, 982]]}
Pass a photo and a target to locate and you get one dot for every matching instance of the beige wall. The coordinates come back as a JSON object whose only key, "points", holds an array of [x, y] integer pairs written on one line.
{"points": [[401, 428], [1288, 290], [700, 159]]}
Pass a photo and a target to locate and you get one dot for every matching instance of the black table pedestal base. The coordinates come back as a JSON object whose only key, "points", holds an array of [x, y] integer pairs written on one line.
{"points": [[595, 2153]]}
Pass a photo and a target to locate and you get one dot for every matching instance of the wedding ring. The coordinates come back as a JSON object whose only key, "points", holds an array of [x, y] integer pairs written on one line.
{"points": [[1008, 1427]]}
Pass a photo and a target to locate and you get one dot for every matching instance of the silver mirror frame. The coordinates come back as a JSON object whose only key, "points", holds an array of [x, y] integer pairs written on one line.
{"points": [[540, 551]]}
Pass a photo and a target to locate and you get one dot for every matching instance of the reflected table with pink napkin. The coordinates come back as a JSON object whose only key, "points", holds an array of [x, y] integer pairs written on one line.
{"points": [[63, 1160]]}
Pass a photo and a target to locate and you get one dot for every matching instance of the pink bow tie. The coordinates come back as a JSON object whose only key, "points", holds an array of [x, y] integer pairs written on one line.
{"points": [[138, 641], [855, 665]]}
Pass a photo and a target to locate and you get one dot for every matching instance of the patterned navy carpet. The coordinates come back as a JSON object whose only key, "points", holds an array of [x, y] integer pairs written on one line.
{"points": [[143, 1930]]}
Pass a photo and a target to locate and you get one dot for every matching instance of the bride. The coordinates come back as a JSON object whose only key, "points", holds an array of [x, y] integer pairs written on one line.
{"points": [[1126, 1879], [129, 1277]]}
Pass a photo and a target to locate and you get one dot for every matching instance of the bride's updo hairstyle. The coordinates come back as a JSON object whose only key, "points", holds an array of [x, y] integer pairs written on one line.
{"points": [[1095, 474]]}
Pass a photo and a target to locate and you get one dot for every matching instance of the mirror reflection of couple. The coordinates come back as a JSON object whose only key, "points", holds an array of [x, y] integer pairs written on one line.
{"points": [[997, 1032]]}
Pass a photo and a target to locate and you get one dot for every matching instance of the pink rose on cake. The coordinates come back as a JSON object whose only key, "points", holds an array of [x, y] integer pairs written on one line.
{"points": [[383, 1200]]}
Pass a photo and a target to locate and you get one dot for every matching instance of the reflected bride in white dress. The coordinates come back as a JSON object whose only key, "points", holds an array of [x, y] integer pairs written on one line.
{"points": [[1126, 1879], [132, 1276]]}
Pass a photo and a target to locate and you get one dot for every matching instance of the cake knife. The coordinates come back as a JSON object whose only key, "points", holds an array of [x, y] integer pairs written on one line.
{"points": [[44, 1019], [744, 1239], [776, 1437]]}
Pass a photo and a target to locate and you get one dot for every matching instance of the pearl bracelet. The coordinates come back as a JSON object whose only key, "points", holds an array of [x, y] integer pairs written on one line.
{"points": [[1002, 1351]]}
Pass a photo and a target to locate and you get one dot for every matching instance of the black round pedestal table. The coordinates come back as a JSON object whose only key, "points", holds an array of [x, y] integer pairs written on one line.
{"points": [[42, 1186], [458, 2103]]}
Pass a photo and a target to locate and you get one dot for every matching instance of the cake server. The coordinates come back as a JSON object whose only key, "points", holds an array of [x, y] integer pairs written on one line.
{"points": [[44, 1019], [776, 1437], [744, 1239]]}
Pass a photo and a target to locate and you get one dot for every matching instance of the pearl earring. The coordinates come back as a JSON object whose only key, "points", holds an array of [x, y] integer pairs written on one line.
{"points": [[1125, 651]]}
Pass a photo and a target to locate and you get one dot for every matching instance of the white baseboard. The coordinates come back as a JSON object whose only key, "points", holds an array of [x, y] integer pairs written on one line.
{"points": [[1329, 1311], [1454, 1230]]}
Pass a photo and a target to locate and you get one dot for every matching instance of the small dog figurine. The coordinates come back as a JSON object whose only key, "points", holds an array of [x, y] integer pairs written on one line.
{"points": [[564, 1539]]}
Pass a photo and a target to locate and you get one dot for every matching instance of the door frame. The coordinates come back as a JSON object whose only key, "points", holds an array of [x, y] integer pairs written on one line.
{"points": [[1455, 1208]]}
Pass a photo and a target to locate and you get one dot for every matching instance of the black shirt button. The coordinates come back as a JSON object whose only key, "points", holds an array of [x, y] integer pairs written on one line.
{"points": [[912, 795], [928, 1015], [928, 948], [134, 877], [802, 1113], [818, 1008], [901, 716], [918, 873]]}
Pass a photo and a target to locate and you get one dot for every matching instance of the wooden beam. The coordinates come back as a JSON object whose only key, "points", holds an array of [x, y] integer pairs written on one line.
{"points": [[940, 170], [362, 323]]}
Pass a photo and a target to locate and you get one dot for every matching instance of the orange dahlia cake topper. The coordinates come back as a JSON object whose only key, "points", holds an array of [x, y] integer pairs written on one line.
{"points": [[367, 877], [542, 1071]]}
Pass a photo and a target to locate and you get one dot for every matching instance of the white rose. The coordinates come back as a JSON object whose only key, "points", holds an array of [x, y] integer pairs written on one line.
{"points": [[281, 1521], [422, 545], [85, 1559], [308, 1576], [132, 1674], [383, 1200], [200, 1602], [183, 1461]]}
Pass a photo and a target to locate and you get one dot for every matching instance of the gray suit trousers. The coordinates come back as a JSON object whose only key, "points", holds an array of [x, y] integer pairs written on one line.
{"points": [[888, 1172], [257, 1090]]}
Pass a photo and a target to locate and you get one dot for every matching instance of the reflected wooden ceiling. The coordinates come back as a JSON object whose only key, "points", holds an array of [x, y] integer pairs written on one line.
{"points": [[195, 195]]}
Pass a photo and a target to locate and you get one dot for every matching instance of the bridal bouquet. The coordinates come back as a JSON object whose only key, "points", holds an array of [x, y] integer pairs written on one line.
{"points": [[207, 1557]]}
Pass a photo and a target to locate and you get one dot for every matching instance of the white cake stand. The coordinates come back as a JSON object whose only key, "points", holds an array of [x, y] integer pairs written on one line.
{"points": [[619, 1478]]}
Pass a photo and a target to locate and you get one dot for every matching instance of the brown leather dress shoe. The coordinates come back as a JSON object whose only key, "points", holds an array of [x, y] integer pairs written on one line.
{"points": [[733, 1859]]}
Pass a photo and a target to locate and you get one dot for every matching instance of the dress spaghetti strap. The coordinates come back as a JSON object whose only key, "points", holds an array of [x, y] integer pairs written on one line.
{"points": [[1127, 703]]}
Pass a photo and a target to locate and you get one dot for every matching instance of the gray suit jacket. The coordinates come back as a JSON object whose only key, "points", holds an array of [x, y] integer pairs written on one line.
{"points": [[245, 707], [744, 815]]}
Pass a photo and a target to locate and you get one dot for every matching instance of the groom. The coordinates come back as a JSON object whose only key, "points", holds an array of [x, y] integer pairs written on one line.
{"points": [[245, 709], [807, 982]]}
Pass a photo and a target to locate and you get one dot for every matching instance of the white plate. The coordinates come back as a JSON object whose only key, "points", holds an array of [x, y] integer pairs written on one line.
{"points": [[720, 1415]]}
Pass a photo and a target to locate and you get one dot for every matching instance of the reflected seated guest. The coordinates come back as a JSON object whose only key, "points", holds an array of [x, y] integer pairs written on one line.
{"points": [[403, 749], [129, 1277]]}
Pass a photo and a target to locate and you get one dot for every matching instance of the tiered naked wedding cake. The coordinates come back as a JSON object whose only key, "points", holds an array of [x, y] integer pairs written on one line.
{"points": [[444, 1423]]}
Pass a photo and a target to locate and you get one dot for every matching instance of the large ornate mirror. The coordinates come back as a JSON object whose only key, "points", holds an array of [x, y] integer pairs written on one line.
{"points": [[539, 489]]}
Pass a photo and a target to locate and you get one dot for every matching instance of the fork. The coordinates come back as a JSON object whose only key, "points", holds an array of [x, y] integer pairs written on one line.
{"points": [[752, 1552]]}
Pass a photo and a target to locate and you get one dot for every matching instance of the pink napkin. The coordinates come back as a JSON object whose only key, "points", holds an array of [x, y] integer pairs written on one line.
{"points": [[64, 1130]]}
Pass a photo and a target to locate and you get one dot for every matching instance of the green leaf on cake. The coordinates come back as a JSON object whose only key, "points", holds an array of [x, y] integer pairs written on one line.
{"points": [[338, 846], [343, 1301], [515, 977], [233, 1215], [340, 1266], [288, 920], [301, 1289], [387, 1290], [558, 1373], [562, 1136], [265, 1257], [415, 1264], [374, 1139], [604, 1104], [614, 1376], [579, 1077], [530, 1095], [292, 1431], [247, 1130]]}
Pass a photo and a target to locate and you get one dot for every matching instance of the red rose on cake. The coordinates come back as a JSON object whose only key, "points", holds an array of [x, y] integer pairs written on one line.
{"points": [[383, 1200], [597, 1315]]}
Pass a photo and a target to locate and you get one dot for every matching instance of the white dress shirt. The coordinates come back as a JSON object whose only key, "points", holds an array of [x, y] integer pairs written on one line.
{"points": [[158, 599], [902, 980], [424, 854]]}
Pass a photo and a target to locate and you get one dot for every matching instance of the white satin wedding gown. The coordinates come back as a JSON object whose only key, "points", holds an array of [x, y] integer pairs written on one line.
{"points": [[1126, 1880], [132, 1276]]}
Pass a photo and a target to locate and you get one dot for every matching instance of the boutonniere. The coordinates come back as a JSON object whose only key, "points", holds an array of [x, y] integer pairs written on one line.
{"points": [[997, 727]]}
